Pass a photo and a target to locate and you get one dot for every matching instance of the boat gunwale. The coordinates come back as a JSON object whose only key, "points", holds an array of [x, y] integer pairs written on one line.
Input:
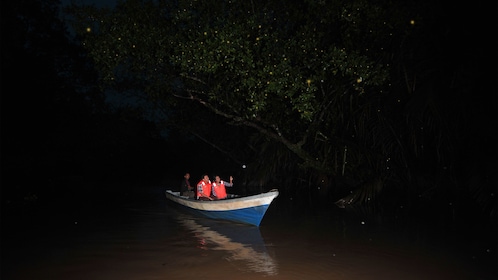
{"points": [[273, 192]]}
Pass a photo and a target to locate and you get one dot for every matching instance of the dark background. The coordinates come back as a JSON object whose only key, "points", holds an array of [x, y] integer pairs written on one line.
{"points": [[64, 143], [68, 152]]}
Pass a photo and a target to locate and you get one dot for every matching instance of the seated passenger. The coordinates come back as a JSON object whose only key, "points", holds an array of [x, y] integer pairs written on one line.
{"points": [[186, 189], [218, 187], [204, 188]]}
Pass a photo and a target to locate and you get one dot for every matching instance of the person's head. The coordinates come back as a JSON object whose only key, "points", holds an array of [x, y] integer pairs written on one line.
{"points": [[217, 179], [187, 176], [205, 178]]}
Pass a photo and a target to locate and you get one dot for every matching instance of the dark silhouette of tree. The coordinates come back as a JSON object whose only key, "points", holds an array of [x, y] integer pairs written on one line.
{"points": [[57, 131], [352, 96]]}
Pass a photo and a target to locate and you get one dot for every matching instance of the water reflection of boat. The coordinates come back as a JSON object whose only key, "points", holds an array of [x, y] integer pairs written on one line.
{"points": [[247, 210], [244, 243]]}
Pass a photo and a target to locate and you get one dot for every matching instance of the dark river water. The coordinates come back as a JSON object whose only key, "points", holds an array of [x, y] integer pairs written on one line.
{"points": [[148, 239]]}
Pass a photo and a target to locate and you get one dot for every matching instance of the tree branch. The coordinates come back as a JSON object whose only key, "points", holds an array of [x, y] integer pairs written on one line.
{"points": [[296, 148]]}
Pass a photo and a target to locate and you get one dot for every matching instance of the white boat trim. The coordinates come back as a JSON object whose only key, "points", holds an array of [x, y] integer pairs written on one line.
{"points": [[226, 204]]}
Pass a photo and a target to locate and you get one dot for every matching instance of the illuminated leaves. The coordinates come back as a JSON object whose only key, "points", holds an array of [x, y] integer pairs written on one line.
{"points": [[265, 61], [275, 67]]}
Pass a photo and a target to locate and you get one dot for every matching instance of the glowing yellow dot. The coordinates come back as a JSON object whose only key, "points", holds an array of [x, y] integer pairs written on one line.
{"points": [[308, 81], [88, 29], [412, 22]]}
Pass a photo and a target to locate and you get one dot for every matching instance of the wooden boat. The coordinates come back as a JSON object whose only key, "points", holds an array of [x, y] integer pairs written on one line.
{"points": [[247, 210]]}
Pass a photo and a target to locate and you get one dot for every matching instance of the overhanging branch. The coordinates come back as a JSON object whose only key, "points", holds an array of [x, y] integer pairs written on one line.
{"points": [[296, 148]]}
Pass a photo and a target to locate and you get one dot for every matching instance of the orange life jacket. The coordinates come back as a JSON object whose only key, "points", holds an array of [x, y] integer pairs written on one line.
{"points": [[219, 190], [203, 188]]}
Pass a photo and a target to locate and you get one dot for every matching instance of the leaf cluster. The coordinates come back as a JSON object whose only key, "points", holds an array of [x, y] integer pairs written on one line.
{"points": [[314, 76]]}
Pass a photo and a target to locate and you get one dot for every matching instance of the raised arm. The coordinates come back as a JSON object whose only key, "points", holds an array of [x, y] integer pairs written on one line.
{"points": [[229, 184]]}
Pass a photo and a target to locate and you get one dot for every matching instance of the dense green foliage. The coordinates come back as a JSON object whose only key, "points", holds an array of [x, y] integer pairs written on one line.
{"points": [[329, 89], [289, 74]]}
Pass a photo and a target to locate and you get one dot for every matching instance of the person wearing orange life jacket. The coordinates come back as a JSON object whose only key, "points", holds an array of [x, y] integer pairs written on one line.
{"points": [[218, 187], [204, 188]]}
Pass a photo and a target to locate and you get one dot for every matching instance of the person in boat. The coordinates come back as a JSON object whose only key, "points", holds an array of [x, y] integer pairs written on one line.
{"points": [[218, 188], [204, 188], [186, 189]]}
